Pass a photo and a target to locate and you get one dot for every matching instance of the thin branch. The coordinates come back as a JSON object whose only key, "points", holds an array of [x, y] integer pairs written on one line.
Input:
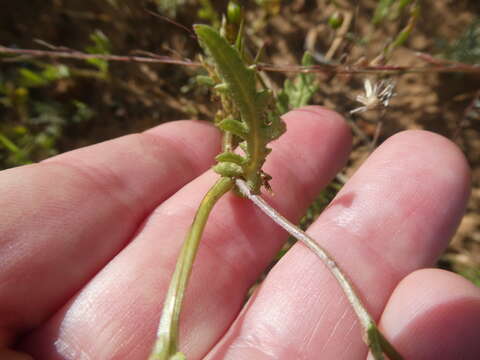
{"points": [[384, 69], [377, 343], [438, 67], [438, 61], [173, 22], [83, 56], [327, 259]]}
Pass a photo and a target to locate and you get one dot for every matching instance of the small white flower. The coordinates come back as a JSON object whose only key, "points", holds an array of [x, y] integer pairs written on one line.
{"points": [[377, 94]]}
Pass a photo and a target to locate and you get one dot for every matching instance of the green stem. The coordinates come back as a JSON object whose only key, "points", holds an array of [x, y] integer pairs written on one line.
{"points": [[227, 142], [388, 348], [166, 346]]}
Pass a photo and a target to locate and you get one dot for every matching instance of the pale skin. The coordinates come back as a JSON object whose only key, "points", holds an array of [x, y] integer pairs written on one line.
{"points": [[90, 238]]}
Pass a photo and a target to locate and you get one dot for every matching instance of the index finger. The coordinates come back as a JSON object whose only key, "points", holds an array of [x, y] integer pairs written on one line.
{"points": [[63, 219]]}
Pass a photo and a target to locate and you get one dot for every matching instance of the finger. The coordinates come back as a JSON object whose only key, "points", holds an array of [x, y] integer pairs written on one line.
{"points": [[65, 218], [125, 299], [434, 315], [395, 215]]}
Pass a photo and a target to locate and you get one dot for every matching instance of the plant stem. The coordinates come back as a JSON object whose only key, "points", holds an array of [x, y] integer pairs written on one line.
{"points": [[440, 65], [166, 346], [227, 140], [374, 339]]}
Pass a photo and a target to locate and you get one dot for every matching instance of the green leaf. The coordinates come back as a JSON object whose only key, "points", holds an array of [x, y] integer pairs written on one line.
{"points": [[29, 78], [382, 10], [100, 45], [100, 64], [8, 144], [466, 48], [230, 157], [275, 129], [256, 108], [228, 169], [82, 112], [235, 127], [299, 91], [55, 72]]}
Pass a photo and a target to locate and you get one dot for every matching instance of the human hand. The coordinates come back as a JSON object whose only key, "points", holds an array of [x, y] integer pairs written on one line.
{"points": [[90, 238]]}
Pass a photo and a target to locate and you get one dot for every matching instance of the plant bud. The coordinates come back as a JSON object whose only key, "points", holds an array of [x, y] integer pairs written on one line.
{"points": [[335, 21], [234, 13]]}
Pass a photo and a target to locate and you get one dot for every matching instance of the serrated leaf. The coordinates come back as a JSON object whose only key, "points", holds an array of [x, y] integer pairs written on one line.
{"points": [[257, 111], [230, 157], [235, 127], [239, 79], [228, 169]]}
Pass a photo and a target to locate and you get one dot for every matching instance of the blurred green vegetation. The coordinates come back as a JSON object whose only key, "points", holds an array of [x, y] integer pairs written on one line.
{"points": [[33, 122], [465, 49], [43, 103]]}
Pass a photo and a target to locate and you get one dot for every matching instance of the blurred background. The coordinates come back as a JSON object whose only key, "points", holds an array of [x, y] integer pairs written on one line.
{"points": [[52, 104]]}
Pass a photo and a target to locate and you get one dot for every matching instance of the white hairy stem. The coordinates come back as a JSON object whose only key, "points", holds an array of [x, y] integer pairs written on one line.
{"points": [[365, 319]]}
